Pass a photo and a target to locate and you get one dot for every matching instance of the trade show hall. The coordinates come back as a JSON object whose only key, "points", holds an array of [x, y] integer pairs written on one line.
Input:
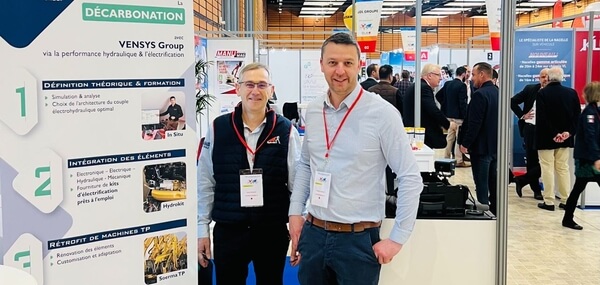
{"points": [[444, 45], [300, 142]]}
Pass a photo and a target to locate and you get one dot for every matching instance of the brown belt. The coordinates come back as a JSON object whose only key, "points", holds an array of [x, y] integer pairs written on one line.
{"points": [[342, 228]]}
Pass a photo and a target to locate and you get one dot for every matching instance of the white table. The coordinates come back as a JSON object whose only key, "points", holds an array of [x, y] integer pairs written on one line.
{"points": [[445, 252], [11, 275], [425, 159]]}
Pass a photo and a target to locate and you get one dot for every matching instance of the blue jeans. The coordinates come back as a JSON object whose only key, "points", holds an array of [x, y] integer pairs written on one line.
{"points": [[484, 167], [329, 258]]}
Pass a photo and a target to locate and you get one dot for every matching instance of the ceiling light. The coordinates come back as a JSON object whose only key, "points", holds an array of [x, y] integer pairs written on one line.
{"points": [[318, 9], [323, 3], [459, 4], [440, 13], [553, 1], [457, 9], [314, 16], [536, 4]]}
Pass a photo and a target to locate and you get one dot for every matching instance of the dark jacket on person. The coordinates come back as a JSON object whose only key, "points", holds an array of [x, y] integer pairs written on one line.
{"points": [[368, 83], [526, 97], [454, 99], [432, 118], [229, 157], [557, 110], [587, 140], [173, 111], [386, 91], [479, 132]]}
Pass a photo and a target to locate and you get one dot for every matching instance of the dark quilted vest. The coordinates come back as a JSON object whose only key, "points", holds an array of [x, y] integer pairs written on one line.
{"points": [[229, 157]]}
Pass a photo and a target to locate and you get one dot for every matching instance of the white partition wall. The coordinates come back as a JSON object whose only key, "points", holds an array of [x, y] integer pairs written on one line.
{"points": [[285, 74], [312, 80], [296, 75], [460, 56]]}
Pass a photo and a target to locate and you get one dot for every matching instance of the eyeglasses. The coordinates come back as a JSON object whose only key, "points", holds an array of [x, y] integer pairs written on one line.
{"points": [[251, 85]]}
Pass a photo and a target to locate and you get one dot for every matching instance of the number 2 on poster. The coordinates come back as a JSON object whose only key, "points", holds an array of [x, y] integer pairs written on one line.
{"points": [[43, 189]]}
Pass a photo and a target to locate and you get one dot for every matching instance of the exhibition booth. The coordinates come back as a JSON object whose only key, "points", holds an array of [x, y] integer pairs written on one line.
{"points": [[96, 161]]}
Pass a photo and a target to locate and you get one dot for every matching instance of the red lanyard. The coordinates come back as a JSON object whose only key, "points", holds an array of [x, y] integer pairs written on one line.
{"points": [[330, 143], [243, 141]]}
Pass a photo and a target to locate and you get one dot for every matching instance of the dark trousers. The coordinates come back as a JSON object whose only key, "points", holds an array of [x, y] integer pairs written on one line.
{"points": [[235, 246], [484, 167], [578, 187], [205, 275], [332, 258], [534, 171]]}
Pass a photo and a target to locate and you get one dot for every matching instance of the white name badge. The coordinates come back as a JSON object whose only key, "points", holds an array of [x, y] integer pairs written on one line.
{"points": [[320, 191], [251, 190]]}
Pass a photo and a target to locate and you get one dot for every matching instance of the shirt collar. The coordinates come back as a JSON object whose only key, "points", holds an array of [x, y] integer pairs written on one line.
{"points": [[426, 81], [246, 127], [347, 101]]}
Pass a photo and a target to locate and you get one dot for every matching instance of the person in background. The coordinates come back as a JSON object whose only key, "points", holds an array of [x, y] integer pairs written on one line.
{"points": [[373, 72], [526, 124], [351, 135], [384, 87], [446, 75], [245, 175], [454, 107], [402, 86], [495, 77], [479, 135], [394, 78], [470, 87], [432, 118], [557, 110], [586, 153]]}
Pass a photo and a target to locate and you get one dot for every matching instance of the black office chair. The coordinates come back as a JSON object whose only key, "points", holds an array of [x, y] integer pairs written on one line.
{"points": [[290, 111]]}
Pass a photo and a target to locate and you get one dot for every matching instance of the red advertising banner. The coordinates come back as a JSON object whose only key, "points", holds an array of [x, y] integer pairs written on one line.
{"points": [[557, 12], [581, 61]]}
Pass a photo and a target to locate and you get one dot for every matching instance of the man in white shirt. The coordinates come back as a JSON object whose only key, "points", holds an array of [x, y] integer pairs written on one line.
{"points": [[351, 135]]}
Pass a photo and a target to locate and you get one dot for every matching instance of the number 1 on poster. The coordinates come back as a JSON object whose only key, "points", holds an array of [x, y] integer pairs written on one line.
{"points": [[21, 92]]}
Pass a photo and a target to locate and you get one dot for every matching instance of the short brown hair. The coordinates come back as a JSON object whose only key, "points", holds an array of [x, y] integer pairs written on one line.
{"points": [[591, 92], [341, 38]]}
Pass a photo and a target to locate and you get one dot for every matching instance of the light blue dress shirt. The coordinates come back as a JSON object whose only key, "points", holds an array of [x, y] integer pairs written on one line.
{"points": [[372, 137], [206, 181]]}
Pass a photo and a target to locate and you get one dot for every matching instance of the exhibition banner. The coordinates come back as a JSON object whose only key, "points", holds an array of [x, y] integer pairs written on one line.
{"points": [[227, 57], [494, 14], [557, 12], [582, 66], [538, 49], [368, 13], [98, 144], [409, 42]]}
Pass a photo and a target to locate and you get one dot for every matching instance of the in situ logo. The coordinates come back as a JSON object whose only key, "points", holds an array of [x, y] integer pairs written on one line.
{"points": [[132, 14]]}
